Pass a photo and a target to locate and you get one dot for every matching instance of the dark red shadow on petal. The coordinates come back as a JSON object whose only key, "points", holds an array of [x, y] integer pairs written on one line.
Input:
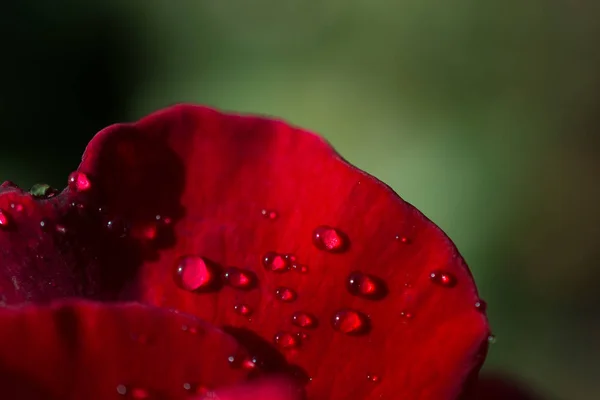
{"points": [[83, 350]]}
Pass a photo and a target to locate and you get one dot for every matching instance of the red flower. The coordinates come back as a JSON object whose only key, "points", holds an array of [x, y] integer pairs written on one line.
{"points": [[314, 269]]}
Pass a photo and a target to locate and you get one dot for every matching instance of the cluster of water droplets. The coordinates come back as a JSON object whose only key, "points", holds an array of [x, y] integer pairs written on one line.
{"points": [[192, 273]]}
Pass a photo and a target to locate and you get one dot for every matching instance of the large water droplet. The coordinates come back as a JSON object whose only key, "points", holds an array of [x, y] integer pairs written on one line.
{"points": [[192, 273], [285, 294], [286, 340], [239, 278], [78, 181], [365, 285], [5, 220], [243, 309], [329, 239], [350, 322], [276, 262], [441, 278], [304, 320]]}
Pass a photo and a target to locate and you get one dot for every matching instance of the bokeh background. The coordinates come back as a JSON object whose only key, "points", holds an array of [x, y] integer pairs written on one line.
{"points": [[482, 114]]}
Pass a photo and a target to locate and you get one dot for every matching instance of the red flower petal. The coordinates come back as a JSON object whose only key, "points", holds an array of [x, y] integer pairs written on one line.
{"points": [[261, 227], [82, 350]]}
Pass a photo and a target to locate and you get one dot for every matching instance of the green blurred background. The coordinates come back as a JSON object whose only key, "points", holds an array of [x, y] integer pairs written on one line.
{"points": [[482, 114]]}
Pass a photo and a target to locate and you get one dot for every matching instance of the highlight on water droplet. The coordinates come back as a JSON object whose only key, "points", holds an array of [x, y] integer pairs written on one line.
{"points": [[18, 207], [481, 305], [374, 378], [366, 285], [5, 220], [242, 309], [285, 294], [441, 278], [239, 278], [330, 239], [276, 262], [286, 340], [350, 322], [192, 273], [196, 388], [304, 320], [78, 181]]}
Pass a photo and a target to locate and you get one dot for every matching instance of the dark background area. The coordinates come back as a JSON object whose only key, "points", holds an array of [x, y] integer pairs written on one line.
{"points": [[482, 114]]}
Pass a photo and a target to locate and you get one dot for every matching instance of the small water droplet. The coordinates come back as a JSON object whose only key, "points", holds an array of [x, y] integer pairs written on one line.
{"points": [[285, 294], [122, 389], [445, 279], [374, 378], [270, 214], [44, 224], [481, 305], [18, 207], [304, 320], [365, 285], [406, 315], [402, 239], [196, 388], [491, 339], [78, 181], [286, 340], [243, 309], [276, 262], [350, 322], [5, 220], [239, 278], [302, 335], [61, 229], [117, 227], [192, 273], [301, 268], [329, 239]]}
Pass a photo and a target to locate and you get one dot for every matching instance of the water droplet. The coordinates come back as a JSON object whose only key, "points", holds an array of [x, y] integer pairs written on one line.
{"points": [[406, 315], [402, 239], [239, 278], [365, 285], [491, 339], [329, 239], [5, 220], [122, 389], [285, 294], [270, 214], [61, 229], [443, 278], [350, 322], [192, 273], [276, 262], [374, 378], [18, 207], [286, 340], [304, 320], [44, 224], [196, 388], [78, 181], [481, 305], [243, 309], [117, 227], [301, 268]]}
